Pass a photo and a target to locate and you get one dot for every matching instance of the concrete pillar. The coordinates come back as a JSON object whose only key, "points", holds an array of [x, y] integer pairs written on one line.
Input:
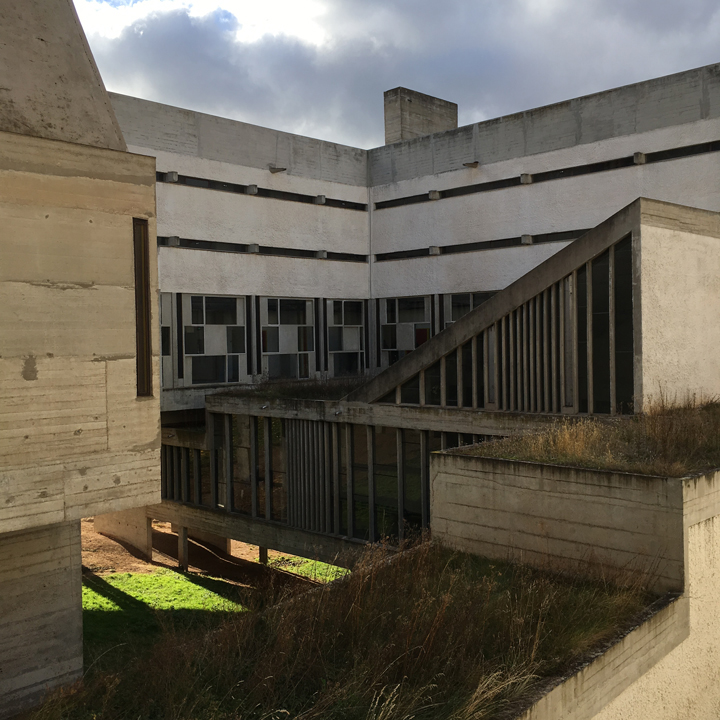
{"points": [[130, 526], [263, 555], [40, 613], [183, 563]]}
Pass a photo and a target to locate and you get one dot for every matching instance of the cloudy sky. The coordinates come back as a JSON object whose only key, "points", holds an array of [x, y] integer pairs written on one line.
{"points": [[319, 67]]}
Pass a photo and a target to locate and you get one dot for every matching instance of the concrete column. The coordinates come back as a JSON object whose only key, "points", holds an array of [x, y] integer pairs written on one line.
{"points": [[263, 555], [183, 563]]}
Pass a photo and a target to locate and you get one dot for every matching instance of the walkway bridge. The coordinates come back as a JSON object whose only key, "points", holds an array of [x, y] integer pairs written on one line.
{"points": [[319, 478]]}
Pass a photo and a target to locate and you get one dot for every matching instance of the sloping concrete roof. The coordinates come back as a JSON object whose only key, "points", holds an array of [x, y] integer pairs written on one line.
{"points": [[50, 86]]}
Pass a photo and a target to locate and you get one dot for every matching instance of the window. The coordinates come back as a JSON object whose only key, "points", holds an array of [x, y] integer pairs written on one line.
{"points": [[411, 310], [208, 369], [389, 337], [293, 312], [197, 312], [390, 311], [236, 339], [194, 340], [353, 313], [305, 339], [270, 340], [272, 306], [143, 347], [165, 340], [460, 305], [220, 311]]}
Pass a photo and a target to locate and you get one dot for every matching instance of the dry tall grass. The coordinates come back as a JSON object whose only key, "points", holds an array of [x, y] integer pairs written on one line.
{"points": [[430, 634], [669, 439]]}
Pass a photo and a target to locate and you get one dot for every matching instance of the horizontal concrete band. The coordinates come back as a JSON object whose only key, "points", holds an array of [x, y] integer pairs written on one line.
{"points": [[557, 174]]}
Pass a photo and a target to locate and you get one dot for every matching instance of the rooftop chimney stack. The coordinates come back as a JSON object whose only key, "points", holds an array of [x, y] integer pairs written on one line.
{"points": [[410, 114]]}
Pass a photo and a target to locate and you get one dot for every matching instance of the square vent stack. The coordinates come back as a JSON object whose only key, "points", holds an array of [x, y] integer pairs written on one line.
{"points": [[410, 114]]}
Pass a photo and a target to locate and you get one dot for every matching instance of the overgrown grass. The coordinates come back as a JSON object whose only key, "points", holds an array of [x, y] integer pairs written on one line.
{"points": [[430, 634], [669, 439]]}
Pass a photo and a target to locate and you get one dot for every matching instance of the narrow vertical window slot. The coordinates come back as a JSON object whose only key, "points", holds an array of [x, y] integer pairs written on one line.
{"points": [[143, 345]]}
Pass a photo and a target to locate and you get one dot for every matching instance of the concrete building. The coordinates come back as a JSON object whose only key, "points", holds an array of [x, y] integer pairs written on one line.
{"points": [[79, 337], [387, 247]]}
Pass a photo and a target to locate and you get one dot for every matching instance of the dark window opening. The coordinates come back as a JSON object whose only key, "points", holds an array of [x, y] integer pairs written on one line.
{"points": [[410, 391], [208, 369], [236, 339], [467, 372], [335, 339], [411, 310], [303, 365], [293, 312], [393, 356], [391, 311], [305, 339], [220, 311], [270, 340], [283, 366], [601, 333], [346, 364], [233, 370], [624, 359], [432, 384], [272, 308], [451, 379], [337, 312], [353, 312], [480, 297], [582, 327], [143, 346], [165, 340], [389, 337], [196, 309], [194, 340], [422, 334], [480, 372], [460, 305]]}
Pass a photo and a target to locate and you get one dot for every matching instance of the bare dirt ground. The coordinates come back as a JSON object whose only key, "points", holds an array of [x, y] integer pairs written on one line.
{"points": [[102, 555]]}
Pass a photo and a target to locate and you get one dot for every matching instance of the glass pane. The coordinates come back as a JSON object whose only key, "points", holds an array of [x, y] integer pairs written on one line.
{"points": [[272, 306], [293, 312], [335, 336], [208, 369], [305, 339], [196, 306], [270, 339], [353, 312], [337, 312], [411, 481], [451, 379], [283, 366], [390, 311], [460, 305], [410, 391], [233, 373], [346, 364], [411, 309], [422, 334], [220, 311], [601, 333], [303, 365], [432, 384], [194, 340], [480, 371], [467, 375], [389, 337], [492, 350], [480, 297], [236, 339], [165, 340], [582, 327]]}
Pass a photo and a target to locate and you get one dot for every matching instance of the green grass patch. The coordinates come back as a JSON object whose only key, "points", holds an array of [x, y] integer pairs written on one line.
{"points": [[313, 569]]}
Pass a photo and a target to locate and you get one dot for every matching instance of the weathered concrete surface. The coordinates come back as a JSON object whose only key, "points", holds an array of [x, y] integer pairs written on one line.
{"points": [[163, 127], [673, 100], [51, 87], [40, 613], [131, 526], [410, 114], [75, 439], [559, 516], [634, 679]]}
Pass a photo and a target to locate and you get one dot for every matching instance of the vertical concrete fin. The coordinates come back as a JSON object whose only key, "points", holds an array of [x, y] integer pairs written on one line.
{"points": [[51, 86]]}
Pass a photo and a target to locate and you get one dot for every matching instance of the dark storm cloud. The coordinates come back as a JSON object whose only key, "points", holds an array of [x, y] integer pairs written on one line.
{"points": [[490, 57]]}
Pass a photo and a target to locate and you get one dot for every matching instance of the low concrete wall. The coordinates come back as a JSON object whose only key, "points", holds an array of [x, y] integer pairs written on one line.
{"points": [[130, 526], [559, 516], [40, 613]]}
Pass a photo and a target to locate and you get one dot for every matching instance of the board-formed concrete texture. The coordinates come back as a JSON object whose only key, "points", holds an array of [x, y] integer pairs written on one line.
{"points": [[669, 666], [40, 616], [51, 85], [410, 114]]}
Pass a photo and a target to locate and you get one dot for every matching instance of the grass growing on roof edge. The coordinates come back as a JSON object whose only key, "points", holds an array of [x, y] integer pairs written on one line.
{"points": [[669, 439], [433, 634]]}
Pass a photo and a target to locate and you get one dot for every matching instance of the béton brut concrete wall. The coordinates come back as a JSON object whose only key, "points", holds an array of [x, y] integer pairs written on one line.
{"points": [[559, 516]]}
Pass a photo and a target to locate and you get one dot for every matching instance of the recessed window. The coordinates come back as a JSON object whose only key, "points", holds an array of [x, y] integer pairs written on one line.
{"points": [[197, 312], [335, 337], [165, 340], [270, 339], [460, 305], [422, 334], [233, 369], [389, 337], [353, 312], [220, 311], [391, 311], [303, 366], [236, 339], [208, 369], [337, 312], [293, 312], [411, 310], [305, 339], [272, 306], [194, 340], [345, 364], [283, 366]]}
